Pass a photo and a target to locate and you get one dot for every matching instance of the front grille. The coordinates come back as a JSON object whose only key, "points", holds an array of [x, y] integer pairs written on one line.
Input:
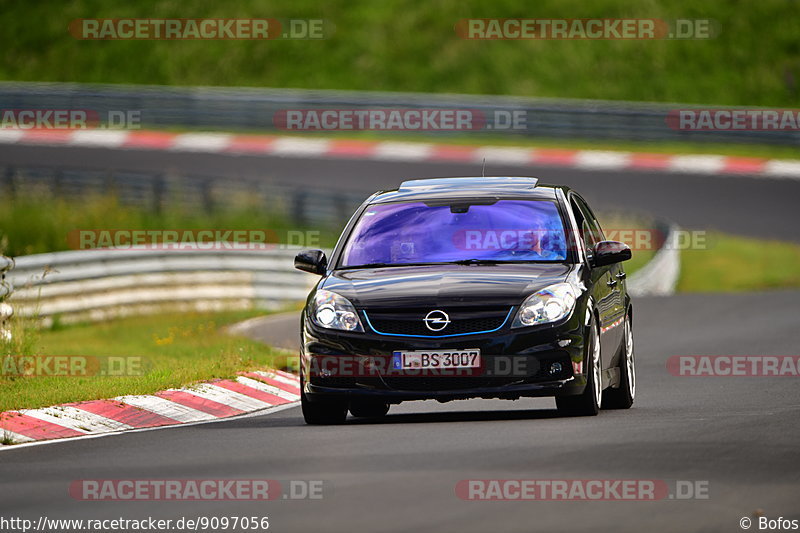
{"points": [[463, 320]]}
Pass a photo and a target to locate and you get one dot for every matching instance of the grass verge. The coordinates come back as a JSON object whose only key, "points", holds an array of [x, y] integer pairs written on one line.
{"points": [[732, 263], [173, 350]]}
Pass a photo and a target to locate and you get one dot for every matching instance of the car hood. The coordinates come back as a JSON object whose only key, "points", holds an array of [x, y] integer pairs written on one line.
{"points": [[440, 285]]}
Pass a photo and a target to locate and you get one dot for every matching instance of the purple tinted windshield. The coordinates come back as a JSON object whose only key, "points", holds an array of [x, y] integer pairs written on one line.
{"points": [[508, 230]]}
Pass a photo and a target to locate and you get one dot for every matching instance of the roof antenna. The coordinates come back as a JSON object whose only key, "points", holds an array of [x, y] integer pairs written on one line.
{"points": [[483, 168]]}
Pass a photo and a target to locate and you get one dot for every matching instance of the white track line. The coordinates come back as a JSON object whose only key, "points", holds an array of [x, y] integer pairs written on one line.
{"points": [[400, 151], [499, 155], [291, 146], [697, 164], [99, 138], [602, 160], [11, 136], [201, 142], [782, 168]]}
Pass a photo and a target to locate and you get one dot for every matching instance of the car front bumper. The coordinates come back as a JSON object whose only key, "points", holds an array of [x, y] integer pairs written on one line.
{"points": [[517, 363]]}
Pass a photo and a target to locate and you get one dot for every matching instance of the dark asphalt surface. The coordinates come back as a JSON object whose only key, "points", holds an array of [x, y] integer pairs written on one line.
{"points": [[738, 434], [740, 205]]}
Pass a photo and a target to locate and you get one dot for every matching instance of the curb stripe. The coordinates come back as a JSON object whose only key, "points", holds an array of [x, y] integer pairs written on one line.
{"points": [[229, 398], [247, 144], [276, 381], [34, 428], [203, 402], [73, 418], [166, 408], [253, 392], [255, 381], [199, 403], [127, 414], [294, 146]]}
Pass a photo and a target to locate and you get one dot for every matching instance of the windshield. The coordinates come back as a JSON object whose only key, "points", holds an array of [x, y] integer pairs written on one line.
{"points": [[414, 233]]}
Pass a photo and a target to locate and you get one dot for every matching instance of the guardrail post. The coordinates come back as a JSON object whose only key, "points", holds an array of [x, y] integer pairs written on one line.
{"points": [[6, 311]]}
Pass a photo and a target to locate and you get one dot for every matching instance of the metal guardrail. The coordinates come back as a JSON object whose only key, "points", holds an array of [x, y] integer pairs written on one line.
{"points": [[255, 109], [301, 206], [6, 311], [90, 285], [660, 275]]}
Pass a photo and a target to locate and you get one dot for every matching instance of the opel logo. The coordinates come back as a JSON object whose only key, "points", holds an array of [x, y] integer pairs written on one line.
{"points": [[436, 320]]}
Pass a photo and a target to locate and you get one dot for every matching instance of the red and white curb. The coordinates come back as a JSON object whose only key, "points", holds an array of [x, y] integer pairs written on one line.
{"points": [[287, 146], [249, 392]]}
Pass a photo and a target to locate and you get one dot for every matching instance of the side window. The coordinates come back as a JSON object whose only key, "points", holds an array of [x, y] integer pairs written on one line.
{"points": [[592, 233]]}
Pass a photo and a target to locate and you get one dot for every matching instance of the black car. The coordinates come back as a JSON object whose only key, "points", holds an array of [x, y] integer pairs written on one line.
{"points": [[454, 288]]}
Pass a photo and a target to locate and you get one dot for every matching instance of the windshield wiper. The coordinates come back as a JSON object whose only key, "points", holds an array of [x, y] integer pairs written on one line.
{"points": [[477, 262], [383, 265], [499, 261]]}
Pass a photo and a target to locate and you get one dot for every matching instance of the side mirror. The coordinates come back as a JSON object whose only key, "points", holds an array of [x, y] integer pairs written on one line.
{"points": [[610, 252], [313, 261]]}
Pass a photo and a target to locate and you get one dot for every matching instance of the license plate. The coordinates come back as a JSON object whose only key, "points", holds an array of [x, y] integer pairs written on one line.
{"points": [[436, 359]]}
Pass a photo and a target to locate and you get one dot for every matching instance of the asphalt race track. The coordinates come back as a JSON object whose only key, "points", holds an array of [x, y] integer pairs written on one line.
{"points": [[741, 205], [737, 435]]}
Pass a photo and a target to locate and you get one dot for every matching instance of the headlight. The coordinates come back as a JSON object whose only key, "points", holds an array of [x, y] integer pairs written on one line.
{"points": [[547, 305], [330, 310]]}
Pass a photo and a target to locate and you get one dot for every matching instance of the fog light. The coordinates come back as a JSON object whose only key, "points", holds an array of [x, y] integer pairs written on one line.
{"points": [[555, 368]]}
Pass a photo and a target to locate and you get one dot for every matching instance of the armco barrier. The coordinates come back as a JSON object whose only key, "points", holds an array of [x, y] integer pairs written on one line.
{"points": [[255, 109], [156, 191], [89, 285], [660, 275]]}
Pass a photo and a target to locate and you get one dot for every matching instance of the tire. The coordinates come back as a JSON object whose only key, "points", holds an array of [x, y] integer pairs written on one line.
{"points": [[622, 397], [589, 402], [368, 408], [326, 412]]}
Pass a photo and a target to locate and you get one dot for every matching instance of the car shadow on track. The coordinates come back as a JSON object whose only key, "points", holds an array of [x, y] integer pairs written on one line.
{"points": [[458, 416]]}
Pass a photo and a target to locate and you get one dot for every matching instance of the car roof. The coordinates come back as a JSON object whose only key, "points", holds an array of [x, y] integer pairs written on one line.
{"points": [[468, 187]]}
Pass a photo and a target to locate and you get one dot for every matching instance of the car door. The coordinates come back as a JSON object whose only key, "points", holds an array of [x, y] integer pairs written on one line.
{"points": [[616, 279], [603, 281]]}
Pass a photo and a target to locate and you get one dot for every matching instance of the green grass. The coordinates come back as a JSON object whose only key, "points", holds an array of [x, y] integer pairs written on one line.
{"points": [[402, 45], [35, 223], [734, 263], [175, 350]]}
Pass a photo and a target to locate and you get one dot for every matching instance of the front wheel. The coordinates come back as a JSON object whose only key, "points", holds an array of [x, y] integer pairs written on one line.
{"points": [[622, 397], [325, 412], [588, 403]]}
